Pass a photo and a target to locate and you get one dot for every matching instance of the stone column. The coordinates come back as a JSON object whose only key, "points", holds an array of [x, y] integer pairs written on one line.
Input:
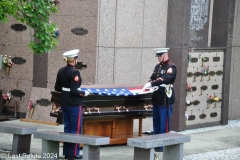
{"points": [[177, 39], [40, 70], [222, 36]]}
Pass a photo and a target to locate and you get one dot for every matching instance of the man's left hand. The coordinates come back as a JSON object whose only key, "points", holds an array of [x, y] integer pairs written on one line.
{"points": [[147, 85], [86, 93]]}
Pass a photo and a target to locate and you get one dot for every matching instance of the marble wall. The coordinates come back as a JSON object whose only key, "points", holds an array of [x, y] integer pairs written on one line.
{"points": [[14, 43], [128, 32], [234, 112]]}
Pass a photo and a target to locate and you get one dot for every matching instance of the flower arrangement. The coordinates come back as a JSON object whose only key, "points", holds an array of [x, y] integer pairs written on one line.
{"points": [[189, 87], [7, 61], [212, 99], [31, 104], [204, 70], [6, 96]]}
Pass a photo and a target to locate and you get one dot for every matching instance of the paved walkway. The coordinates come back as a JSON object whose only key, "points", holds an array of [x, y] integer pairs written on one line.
{"points": [[201, 142]]}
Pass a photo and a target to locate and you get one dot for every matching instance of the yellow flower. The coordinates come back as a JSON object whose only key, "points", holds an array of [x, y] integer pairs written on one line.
{"points": [[216, 99]]}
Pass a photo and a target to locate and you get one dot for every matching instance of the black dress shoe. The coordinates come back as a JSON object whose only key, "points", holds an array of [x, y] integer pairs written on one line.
{"points": [[158, 149], [73, 157]]}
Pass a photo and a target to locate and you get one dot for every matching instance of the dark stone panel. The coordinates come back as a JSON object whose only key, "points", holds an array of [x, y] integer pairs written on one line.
{"points": [[222, 33], [222, 21], [178, 23], [40, 70], [230, 23]]}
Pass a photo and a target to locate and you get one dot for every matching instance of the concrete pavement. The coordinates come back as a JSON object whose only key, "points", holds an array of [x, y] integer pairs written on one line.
{"points": [[201, 142]]}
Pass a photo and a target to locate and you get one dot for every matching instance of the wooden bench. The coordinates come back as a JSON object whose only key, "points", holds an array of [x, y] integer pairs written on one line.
{"points": [[21, 136], [172, 142], [50, 144]]}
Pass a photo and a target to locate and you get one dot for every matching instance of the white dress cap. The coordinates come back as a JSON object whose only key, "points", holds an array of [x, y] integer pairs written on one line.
{"points": [[160, 51], [71, 54]]}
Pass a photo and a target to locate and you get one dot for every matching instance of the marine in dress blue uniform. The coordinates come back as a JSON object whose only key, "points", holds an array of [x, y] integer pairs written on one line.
{"points": [[68, 82], [163, 76]]}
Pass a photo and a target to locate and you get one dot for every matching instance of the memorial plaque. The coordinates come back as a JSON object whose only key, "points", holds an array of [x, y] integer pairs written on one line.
{"points": [[18, 60], [214, 114], [216, 59], [194, 88], [214, 86], [196, 102], [44, 102], [189, 74], [205, 59], [17, 93], [18, 27], [191, 117], [202, 116], [219, 73], [80, 66], [194, 60], [79, 31], [211, 73], [199, 23], [197, 74]]}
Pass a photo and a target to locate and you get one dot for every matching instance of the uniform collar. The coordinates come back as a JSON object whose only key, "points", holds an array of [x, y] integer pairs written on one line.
{"points": [[70, 65], [164, 63]]}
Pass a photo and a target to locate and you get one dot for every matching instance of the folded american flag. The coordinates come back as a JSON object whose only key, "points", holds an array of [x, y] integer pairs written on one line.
{"points": [[114, 91], [120, 91]]}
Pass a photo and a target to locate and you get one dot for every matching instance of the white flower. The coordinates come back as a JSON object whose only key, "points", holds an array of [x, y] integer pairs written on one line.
{"points": [[9, 95], [186, 116]]}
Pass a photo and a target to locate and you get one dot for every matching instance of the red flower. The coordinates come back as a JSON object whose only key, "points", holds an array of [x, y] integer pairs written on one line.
{"points": [[5, 96], [31, 104]]}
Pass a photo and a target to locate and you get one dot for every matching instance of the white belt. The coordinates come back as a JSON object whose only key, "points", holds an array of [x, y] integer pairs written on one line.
{"points": [[164, 85], [168, 89], [68, 89]]}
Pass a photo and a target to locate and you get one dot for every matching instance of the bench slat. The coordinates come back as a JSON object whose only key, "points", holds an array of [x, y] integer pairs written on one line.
{"points": [[17, 129], [153, 141], [72, 138]]}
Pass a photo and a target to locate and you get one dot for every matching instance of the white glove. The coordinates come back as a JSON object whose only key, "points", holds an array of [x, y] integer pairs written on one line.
{"points": [[86, 93], [147, 85]]}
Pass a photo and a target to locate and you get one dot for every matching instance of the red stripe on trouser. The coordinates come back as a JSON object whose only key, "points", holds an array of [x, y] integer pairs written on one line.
{"points": [[167, 126], [167, 130], [78, 128]]}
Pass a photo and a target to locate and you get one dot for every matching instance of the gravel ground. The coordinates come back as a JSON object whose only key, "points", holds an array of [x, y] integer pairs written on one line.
{"points": [[231, 124], [227, 154]]}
